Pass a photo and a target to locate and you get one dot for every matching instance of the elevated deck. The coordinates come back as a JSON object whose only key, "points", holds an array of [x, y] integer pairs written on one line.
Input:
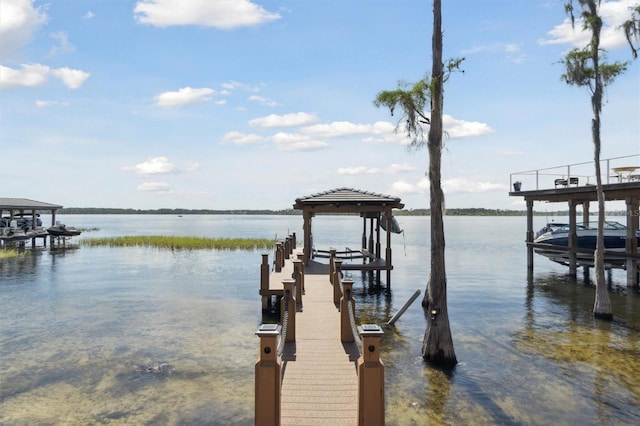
{"points": [[574, 184]]}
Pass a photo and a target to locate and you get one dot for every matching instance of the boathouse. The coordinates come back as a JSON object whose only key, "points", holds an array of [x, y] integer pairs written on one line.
{"points": [[376, 211], [574, 184], [14, 208]]}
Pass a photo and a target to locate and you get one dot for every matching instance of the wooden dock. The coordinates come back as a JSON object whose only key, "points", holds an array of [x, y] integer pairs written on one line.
{"points": [[319, 372]]}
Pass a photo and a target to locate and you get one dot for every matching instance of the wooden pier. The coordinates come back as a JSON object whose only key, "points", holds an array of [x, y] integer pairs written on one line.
{"points": [[320, 381], [319, 377]]}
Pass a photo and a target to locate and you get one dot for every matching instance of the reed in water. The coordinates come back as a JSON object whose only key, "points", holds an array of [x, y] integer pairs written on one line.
{"points": [[8, 253], [181, 243]]}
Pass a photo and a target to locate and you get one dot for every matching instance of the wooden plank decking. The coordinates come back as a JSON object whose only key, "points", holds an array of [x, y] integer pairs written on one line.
{"points": [[320, 382]]}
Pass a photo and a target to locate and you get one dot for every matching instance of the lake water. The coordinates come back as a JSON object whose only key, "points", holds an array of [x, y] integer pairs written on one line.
{"points": [[149, 336]]}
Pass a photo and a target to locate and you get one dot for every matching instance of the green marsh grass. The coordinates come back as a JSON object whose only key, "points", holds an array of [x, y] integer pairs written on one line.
{"points": [[9, 253], [181, 243]]}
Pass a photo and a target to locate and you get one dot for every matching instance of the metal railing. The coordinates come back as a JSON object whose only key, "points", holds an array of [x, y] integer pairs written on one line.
{"points": [[584, 173]]}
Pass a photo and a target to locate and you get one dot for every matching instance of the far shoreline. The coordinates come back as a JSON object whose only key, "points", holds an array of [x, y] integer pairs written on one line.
{"points": [[292, 212]]}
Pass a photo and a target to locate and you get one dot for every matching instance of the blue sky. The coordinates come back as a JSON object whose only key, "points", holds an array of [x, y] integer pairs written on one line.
{"points": [[238, 104]]}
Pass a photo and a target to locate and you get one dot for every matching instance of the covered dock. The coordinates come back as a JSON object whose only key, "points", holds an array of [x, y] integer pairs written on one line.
{"points": [[573, 185], [376, 211], [14, 208]]}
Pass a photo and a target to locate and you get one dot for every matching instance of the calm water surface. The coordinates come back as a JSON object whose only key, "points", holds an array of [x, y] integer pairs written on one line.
{"points": [[148, 336]]}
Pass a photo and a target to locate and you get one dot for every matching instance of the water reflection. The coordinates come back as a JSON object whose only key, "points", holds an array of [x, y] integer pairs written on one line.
{"points": [[79, 327]]}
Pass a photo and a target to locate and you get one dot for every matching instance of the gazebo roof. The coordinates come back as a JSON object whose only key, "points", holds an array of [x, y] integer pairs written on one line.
{"points": [[347, 200], [26, 204]]}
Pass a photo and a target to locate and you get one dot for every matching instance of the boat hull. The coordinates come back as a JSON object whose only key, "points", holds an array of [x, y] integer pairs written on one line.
{"points": [[63, 231], [615, 239]]}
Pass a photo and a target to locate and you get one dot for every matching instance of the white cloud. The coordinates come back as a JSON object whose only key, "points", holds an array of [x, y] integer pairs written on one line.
{"points": [[512, 48], [296, 142], [286, 120], [399, 168], [238, 138], [402, 187], [474, 49], [161, 166], [462, 185], [263, 101], [231, 85], [191, 167], [514, 54], [36, 74], [153, 166], [184, 96], [337, 129], [221, 14], [449, 186], [453, 127], [71, 78], [384, 131], [161, 187], [361, 170], [89, 15], [63, 45], [459, 128], [399, 138], [43, 104], [19, 19], [613, 13], [28, 76]]}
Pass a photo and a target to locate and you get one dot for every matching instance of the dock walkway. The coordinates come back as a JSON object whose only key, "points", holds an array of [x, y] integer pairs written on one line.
{"points": [[320, 382]]}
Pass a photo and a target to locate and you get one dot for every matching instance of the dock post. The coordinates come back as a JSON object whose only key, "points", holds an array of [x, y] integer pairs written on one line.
{"points": [[573, 239], [297, 276], [370, 377], [289, 308], [278, 258], [301, 257], [529, 234], [633, 213], [332, 258], [294, 241], [267, 377], [346, 332], [283, 254], [264, 281], [287, 247], [335, 280]]}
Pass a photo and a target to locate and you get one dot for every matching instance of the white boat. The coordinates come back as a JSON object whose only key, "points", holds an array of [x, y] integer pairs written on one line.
{"points": [[557, 234]]}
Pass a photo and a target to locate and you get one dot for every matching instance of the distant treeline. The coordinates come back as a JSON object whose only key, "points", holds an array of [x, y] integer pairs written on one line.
{"points": [[410, 212], [102, 210]]}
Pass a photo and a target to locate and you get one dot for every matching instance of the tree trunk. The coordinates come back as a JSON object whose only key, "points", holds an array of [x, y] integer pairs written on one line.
{"points": [[437, 346], [602, 305]]}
